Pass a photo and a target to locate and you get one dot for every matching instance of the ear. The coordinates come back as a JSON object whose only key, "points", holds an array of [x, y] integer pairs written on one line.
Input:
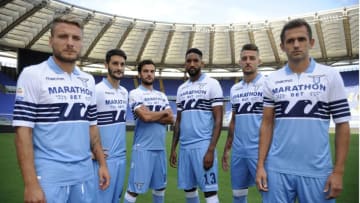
{"points": [[50, 41], [312, 43], [260, 62], [202, 64], [282, 47]]}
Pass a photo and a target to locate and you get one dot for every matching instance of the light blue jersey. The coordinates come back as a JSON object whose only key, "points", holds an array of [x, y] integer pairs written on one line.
{"points": [[247, 104], [60, 107], [303, 104], [111, 106], [195, 101], [148, 135]]}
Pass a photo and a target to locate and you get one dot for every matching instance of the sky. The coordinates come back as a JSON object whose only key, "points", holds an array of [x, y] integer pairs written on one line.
{"points": [[211, 11]]}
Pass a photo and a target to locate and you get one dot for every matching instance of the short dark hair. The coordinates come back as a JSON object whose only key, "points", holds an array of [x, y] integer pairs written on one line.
{"points": [[250, 47], [194, 50], [144, 62], [294, 24], [115, 52], [69, 19]]}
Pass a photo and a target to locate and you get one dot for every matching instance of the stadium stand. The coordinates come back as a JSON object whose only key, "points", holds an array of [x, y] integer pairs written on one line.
{"points": [[171, 85]]}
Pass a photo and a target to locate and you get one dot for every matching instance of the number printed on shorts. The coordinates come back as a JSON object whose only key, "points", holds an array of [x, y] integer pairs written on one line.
{"points": [[210, 178]]}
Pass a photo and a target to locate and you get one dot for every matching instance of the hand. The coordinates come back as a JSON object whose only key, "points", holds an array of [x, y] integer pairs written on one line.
{"points": [[225, 163], [335, 184], [261, 179], [208, 160], [173, 159], [34, 194], [104, 177]]}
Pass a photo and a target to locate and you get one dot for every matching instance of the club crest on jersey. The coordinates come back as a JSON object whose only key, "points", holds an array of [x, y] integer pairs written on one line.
{"points": [[84, 81], [316, 78], [139, 185], [201, 85]]}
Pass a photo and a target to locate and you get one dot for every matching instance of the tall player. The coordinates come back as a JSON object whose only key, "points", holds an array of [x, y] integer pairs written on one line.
{"points": [[299, 101], [112, 100], [55, 120], [243, 136], [148, 159], [198, 124]]}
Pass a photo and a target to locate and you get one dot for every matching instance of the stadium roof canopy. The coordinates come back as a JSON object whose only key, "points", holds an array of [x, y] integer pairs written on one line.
{"points": [[25, 24]]}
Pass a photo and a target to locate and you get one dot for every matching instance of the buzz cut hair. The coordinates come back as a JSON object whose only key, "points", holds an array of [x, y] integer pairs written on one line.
{"points": [[195, 51]]}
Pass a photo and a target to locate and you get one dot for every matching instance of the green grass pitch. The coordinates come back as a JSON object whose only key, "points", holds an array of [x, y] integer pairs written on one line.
{"points": [[11, 185]]}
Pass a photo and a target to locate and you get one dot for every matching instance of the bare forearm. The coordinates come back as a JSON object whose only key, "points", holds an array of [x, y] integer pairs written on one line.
{"points": [[342, 139], [96, 147], [169, 119], [25, 155], [266, 133], [230, 137], [218, 115], [176, 136]]}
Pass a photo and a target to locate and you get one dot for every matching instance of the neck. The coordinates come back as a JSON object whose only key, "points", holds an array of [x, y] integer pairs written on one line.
{"points": [[65, 66], [299, 66], [114, 83], [250, 77], [149, 87]]}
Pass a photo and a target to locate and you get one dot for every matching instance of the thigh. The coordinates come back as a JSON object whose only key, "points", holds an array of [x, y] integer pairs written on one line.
{"points": [[186, 176], [241, 177], [55, 194], [158, 179], [82, 192], [282, 188], [117, 169], [141, 168], [120, 179], [207, 180], [311, 190]]}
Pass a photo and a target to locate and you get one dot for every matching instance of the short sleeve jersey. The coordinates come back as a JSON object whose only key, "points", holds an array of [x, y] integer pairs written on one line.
{"points": [[148, 135], [247, 105], [303, 104], [111, 114], [60, 108], [195, 101]]}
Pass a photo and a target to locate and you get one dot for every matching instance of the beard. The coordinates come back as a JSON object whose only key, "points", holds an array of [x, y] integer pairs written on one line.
{"points": [[113, 76], [147, 82], [64, 59], [193, 72]]}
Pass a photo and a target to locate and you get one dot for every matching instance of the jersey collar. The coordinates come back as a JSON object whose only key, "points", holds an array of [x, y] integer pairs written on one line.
{"points": [[107, 83], [202, 76], [309, 69], [258, 76], [53, 66]]}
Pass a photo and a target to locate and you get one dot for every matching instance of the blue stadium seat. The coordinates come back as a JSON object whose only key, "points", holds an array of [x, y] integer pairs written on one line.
{"points": [[350, 78], [6, 80], [171, 86]]}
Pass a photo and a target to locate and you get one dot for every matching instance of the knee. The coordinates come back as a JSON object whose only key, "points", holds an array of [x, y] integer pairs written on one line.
{"points": [[191, 190], [209, 194]]}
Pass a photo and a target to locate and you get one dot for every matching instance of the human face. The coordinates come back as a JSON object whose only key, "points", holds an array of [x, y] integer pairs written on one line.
{"points": [[193, 64], [116, 67], [249, 61], [147, 74], [297, 44], [66, 42]]}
